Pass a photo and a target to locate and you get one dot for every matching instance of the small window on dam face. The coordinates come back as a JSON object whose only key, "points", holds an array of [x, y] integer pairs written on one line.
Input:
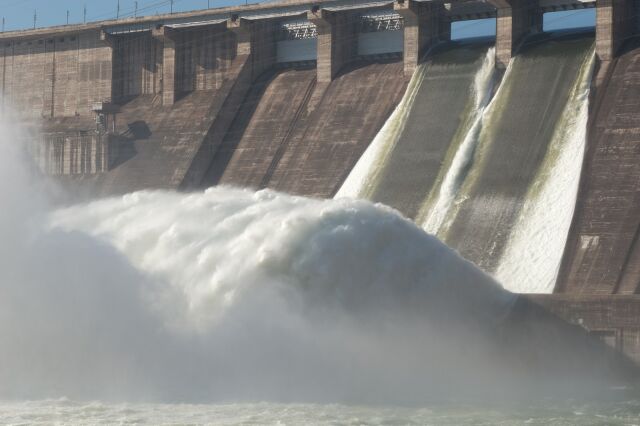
{"points": [[569, 19], [461, 30]]}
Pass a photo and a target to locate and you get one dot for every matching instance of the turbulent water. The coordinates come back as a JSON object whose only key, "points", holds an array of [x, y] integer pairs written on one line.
{"points": [[578, 413], [235, 295]]}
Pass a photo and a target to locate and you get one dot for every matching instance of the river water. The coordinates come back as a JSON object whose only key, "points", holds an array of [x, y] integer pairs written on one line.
{"points": [[59, 411]]}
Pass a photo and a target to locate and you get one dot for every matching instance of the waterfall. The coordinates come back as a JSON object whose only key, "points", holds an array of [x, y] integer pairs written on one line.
{"points": [[534, 251], [432, 128], [436, 213]]}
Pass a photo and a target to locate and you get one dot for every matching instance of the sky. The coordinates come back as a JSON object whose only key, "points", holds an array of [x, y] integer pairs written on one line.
{"points": [[552, 21], [18, 14]]}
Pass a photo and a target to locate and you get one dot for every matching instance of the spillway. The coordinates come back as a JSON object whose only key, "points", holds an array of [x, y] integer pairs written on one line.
{"points": [[494, 177], [531, 260], [514, 145], [410, 156]]}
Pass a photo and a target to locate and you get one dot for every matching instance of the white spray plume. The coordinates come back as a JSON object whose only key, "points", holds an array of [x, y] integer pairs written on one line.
{"points": [[234, 295]]}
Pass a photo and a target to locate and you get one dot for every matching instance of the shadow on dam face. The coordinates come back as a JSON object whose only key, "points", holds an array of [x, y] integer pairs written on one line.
{"points": [[299, 136], [261, 128]]}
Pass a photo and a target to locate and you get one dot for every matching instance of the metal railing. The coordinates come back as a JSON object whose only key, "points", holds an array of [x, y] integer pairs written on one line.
{"points": [[387, 21], [298, 31]]}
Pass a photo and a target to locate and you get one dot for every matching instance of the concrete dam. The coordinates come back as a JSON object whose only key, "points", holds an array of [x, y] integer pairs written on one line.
{"points": [[519, 151]]}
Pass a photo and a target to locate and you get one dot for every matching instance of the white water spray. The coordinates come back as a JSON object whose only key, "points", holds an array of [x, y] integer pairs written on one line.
{"points": [[233, 295], [482, 89], [531, 261]]}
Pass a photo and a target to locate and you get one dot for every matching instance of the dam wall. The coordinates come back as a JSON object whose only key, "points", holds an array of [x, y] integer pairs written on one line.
{"points": [[601, 256], [512, 146], [616, 22], [61, 71], [298, 135], [157, 68], [290, 95], [55, 75], [79, 153], [342, 120], [611, 318], [272, 107], [165, 146]]}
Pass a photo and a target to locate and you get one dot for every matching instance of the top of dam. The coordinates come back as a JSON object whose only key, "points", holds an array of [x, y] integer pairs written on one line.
{"points": [[456, 10]]}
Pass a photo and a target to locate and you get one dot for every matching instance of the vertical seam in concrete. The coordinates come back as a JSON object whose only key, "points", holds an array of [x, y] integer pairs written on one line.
{"points": [[568, 262], [625, 263], [13, 55], [78, 76], [4, 75], [53, 79], [284, 143]]}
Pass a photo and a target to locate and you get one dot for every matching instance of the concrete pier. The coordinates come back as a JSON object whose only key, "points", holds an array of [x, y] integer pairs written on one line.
{"points": [[169, 60], [515, 20], [615, 22], [425, 24], [337, 40], [256, 39]]}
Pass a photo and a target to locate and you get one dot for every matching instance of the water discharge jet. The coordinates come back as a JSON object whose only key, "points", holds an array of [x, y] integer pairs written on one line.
{"points": [[433, 213], [532, 257], [238, 295]]}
